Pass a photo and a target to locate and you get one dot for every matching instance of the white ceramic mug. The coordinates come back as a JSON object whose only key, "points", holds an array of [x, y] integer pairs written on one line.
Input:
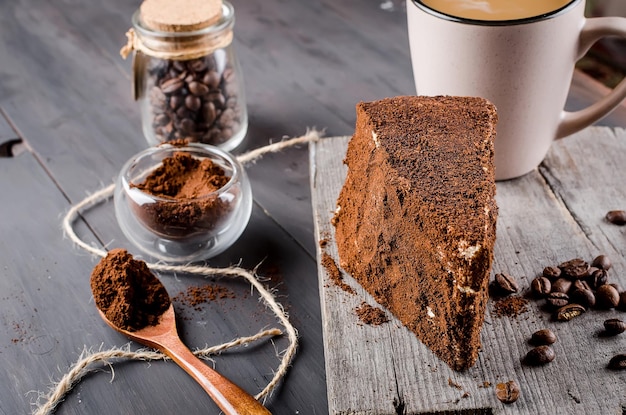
{"points": [[523, 66]]}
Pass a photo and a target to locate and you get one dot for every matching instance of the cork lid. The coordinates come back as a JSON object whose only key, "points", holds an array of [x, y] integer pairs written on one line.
{"points": [[180, 15]]}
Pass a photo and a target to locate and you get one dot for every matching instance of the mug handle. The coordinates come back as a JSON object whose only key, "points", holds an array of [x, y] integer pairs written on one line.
{"points": [[594, 29]]}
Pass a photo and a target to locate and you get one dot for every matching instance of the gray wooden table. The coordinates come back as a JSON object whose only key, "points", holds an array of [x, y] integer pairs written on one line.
{"points": [[67, 125]]}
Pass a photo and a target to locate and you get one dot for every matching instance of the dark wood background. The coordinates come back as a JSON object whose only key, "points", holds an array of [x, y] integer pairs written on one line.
{"points": [[65, 99]]}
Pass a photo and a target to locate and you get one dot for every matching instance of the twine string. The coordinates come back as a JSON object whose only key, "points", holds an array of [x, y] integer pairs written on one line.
{"points": [[87, 358], [181, 50]]}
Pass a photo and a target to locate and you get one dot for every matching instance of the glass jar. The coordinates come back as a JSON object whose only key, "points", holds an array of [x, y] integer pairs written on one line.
{"points": [[182, 230], [189, 83]]}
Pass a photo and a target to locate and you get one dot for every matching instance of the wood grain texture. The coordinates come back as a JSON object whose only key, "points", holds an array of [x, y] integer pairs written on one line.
{"points": [[553, 214]]}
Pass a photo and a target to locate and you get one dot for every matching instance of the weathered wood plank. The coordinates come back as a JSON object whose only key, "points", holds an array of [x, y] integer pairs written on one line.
{"points": [[376, 370]]}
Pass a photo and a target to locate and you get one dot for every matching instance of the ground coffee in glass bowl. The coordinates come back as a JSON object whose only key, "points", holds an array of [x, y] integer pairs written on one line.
{"points": [[183, 202]]}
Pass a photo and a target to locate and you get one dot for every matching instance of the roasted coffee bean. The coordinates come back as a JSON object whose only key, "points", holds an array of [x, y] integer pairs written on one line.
{"points": [[557, 299], [198, 88], [552, 273], [561, 285], [506, 283], [541, 286], [570, 311], [581, 285], [598, 278], [197, 65], [614, 326], [217, 98], [187, 125], [543, 337], [208, 113], [602, 261], [507, 392], [617, 217], [212, 79], [590, 271], [195, 92], [172, 85], [540, 355], [176, 101], [607, 296], [617, 362], [585, 298], [574, 268], [182, 113], [193, 103]]}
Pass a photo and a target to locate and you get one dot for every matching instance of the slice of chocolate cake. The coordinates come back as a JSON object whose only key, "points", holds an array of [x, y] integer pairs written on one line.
{"points": [[416, 217]]}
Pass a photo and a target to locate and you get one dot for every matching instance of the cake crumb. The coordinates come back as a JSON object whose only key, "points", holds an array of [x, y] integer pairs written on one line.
{"points": [[335, 274], [454, 384], [371, 315], [510, 306]]}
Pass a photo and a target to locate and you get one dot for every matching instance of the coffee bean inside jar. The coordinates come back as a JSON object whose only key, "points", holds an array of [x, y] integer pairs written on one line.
{"points": [[188, 80], [198, 100]]}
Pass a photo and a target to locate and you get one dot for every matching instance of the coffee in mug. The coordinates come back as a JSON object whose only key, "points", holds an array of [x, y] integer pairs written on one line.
{"points": [[495, 9], [524, 65]]}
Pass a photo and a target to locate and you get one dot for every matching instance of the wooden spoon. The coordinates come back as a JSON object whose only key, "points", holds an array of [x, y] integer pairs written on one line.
{"points": [[229, 397]]}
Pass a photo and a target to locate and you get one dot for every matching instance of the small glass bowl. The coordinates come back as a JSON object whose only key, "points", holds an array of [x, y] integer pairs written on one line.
{"points": [[182, 230]]}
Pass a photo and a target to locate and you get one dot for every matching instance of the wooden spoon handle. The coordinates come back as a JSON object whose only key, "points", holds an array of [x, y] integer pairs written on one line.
{"points": [[229, 397]]}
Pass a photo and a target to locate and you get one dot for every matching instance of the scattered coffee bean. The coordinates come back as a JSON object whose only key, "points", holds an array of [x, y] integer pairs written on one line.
{"points": [[506, 283], [540, 355], [617, 362], [581, 285], [557, 299], [614, 326], [617, 217], [607, 296], [507, 392], [561, 285], [585, 298], [598, 278], [570, 311], [602, 262], [590, 271], [552, 273], [543, 337], [575, 268], [541, 286]]}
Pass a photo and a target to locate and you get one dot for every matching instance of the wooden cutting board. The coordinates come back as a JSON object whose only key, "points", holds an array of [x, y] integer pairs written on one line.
{"points": [[551, 215]]}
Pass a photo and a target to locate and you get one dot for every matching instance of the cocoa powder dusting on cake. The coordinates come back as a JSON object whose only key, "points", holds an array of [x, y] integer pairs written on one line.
{"points": [[371, 315], [417, 202], [127, 292], [334, 273], [510, 306], [190, 181]]}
